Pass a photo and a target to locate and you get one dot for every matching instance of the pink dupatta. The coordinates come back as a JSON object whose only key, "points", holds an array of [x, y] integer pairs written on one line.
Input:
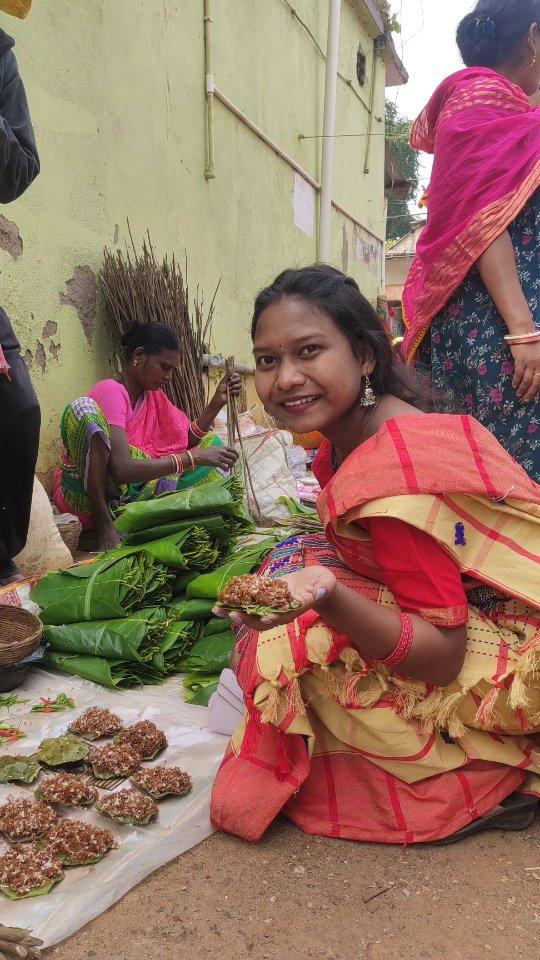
{"points": [[158, 427], [485, 136]]}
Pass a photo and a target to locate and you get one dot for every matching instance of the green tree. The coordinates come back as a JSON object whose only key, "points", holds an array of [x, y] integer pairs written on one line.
{"points": [[400, 219]]}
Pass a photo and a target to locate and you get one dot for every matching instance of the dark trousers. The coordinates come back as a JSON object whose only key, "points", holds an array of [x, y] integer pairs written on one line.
{"points": [[20, 421]]}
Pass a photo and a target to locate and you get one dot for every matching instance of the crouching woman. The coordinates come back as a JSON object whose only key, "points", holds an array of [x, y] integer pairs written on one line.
{"points": [[398, 702], [126, 441]]}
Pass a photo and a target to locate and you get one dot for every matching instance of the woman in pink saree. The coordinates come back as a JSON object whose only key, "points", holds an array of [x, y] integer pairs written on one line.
{"points": [[472, 298], [126, 441]]}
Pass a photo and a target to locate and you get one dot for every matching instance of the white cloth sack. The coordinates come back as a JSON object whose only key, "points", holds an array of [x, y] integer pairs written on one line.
{"points": [[45, 550]]}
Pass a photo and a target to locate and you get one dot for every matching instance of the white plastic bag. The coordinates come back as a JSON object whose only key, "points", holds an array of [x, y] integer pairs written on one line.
{"points": [[271, 476]]}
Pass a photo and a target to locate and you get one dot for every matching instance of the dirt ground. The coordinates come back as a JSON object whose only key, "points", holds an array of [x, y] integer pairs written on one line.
{"points": [[294, 895]]}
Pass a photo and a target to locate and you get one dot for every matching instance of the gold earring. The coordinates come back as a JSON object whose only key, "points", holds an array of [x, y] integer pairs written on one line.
{"points": [[535, 56]]}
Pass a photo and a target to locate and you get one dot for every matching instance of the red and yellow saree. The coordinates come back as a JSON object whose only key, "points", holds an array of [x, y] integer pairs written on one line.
{"points": [[343, 746]]}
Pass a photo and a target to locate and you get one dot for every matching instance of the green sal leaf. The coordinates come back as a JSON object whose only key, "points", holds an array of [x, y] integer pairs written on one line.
{"points": [[19, 769], [35, 892], [57, 751]]}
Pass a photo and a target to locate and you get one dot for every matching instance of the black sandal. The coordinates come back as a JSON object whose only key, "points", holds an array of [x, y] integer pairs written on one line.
{"points": [[517, 812]]}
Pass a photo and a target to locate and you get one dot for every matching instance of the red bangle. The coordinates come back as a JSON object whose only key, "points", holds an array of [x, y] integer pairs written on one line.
{"points": [[404, 643], [196, 430], [178, 465], [189, 455]]}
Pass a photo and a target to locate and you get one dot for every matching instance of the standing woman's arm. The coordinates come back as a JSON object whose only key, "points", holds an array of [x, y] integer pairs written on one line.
{"points": [[498, 270]]}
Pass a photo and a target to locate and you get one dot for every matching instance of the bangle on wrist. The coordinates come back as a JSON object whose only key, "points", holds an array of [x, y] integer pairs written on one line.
{"points": [[404, 644], [178, 466], [532, 337], [197, 431], [191, 459]]}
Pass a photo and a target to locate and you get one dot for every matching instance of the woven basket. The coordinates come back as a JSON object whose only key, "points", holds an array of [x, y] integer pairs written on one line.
{"points": [[70, 531], [20, 634]]}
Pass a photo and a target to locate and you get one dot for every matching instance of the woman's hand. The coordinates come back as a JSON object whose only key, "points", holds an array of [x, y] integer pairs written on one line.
{"points": [[527, 375], [223, 458], [232, 383], [309, 587]]}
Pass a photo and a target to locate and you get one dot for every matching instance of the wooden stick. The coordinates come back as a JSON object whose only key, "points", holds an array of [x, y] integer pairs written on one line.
{"points": [[233, 430]]}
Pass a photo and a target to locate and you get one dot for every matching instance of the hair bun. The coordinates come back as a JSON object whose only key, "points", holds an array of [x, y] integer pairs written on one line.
{"points": [[133, 328], [484, 27]]}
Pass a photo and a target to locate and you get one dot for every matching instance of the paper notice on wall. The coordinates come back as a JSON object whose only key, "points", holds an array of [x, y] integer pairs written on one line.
{"points": [[304, 205]]}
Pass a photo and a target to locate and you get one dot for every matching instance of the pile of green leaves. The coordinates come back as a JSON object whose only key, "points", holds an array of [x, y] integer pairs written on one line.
{"points": [[187, 549], [115, 621], [212, 653], [213, 499], [206, 661], [108, 589], [119, 674], [135, 638]]}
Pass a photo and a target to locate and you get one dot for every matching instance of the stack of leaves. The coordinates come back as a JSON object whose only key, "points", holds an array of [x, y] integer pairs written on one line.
{"points": [[118, 674], [221, 532], [178, 640], [206, 660], [110, 588], [136, 638], [113, 622], [224, 500], [189, 548]]}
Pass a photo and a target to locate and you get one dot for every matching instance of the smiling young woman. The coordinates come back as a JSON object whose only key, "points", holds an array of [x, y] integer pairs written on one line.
{"points": [[126, 441], [415, 635]]}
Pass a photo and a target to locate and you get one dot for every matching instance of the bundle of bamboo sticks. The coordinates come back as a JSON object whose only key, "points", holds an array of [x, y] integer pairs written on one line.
{"points": [[17, 8], [136, 286]]}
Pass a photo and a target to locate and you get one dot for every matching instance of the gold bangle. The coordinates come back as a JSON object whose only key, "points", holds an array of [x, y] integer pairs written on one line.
{"points": [[189, 455]]}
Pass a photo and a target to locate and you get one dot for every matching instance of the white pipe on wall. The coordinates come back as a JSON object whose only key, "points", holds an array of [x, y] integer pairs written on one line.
{"points": [[329, 128], [209, 90]]}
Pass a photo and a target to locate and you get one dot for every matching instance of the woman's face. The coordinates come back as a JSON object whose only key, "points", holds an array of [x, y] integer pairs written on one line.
{"points": [[307, 375], [154, 371]]}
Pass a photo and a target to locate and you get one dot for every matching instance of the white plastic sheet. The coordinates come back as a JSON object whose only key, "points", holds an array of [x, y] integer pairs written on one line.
{"points": [[88, 891]]}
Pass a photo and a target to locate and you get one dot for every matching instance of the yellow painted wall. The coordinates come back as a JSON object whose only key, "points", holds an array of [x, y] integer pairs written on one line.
{"points": [[116, 90]]}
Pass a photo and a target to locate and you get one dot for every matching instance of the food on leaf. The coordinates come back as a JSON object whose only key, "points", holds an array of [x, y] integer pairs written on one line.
{"points": [[144, 737], [257, 595], [23, 820], [115, 760], [162, 782], [129, 807], [27, 872], [19, 769], [59, 751], [78, 844], [67, 790], [96, 722]]}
